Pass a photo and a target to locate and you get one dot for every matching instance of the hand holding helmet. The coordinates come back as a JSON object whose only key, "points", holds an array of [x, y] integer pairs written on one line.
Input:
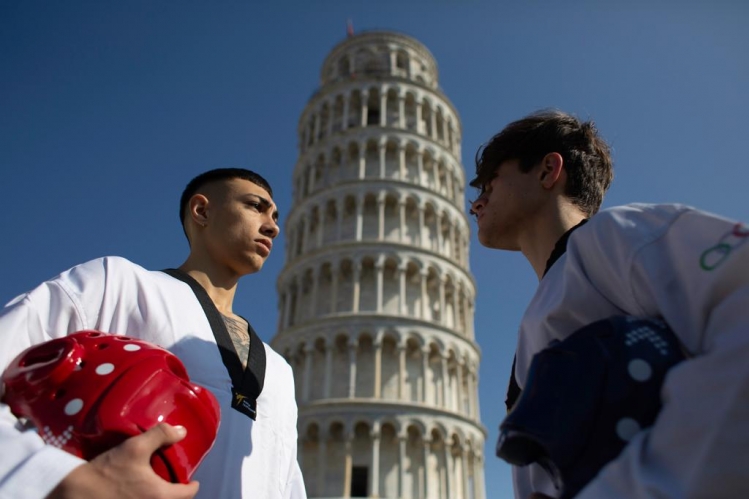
{"points": [[125, 471], [88, 392]]}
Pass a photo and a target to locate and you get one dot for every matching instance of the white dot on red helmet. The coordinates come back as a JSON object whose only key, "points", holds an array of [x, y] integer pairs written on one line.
{"points": [[105, 368], [73, 407]]}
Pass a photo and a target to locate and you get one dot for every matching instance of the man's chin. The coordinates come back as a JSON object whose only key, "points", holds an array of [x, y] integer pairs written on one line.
{"points": [[256, 268], [253, 266], [497, 244], [487, 241]]}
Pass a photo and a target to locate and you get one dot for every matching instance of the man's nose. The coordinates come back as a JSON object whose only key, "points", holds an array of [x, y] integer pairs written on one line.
{"points": [[270, 229], [478, 205]]}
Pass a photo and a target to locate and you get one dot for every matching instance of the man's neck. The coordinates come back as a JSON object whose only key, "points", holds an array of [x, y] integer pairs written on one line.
{"points": [[539, 241], [219, 287]]}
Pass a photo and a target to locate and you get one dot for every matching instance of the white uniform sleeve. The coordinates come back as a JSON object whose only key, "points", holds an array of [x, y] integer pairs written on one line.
{"points": [[694, 272], [28, 467]]}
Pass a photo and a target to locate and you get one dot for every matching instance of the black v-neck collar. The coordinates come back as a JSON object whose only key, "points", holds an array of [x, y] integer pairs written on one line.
{"points": [[561, 246], [247, 382]]}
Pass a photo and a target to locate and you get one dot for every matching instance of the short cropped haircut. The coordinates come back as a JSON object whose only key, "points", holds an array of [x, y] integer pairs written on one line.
{"points": [[213, 176], [587, 157]]}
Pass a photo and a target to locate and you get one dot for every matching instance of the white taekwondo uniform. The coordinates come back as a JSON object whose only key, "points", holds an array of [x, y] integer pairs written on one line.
{"points": [[690, 268], [250, 459]]}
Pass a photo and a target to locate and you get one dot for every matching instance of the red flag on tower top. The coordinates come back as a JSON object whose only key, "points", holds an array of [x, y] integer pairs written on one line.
{"points": [[349, 27]]}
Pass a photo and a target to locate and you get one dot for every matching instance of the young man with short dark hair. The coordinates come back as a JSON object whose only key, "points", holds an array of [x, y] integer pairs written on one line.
{"points": [[230, 221], [542, 180]]}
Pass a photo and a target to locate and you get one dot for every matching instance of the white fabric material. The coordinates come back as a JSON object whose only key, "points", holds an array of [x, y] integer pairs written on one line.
{"points": [[250, 459], [690, 268]]}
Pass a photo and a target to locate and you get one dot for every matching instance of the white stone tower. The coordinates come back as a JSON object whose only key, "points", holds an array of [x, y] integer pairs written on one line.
{"points": [[376, 300]]}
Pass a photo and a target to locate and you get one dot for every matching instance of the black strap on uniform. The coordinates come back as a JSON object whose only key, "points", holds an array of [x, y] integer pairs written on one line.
{"points": [[247, 384], [513, 389]]}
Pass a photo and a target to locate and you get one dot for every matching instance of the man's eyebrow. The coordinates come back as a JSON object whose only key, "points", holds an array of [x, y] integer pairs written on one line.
{"points": [[266, 205]]}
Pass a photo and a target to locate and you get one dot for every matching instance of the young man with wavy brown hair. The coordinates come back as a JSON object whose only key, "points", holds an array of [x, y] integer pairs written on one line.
{"points": [[542, 181]]}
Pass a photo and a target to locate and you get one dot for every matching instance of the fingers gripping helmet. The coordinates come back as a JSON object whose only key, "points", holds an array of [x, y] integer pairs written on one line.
{"points": [[586, 396], [89, 391]]}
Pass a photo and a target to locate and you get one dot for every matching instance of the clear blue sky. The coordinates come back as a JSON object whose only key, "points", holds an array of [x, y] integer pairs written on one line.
{"points": [[107, 109]]}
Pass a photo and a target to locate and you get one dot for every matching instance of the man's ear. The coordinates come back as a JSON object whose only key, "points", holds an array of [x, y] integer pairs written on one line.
{"points": [[551, 170], [198, 207]]}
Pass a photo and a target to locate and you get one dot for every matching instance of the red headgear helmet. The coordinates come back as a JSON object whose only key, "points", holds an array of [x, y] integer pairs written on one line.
{"points": [[89, 391]]}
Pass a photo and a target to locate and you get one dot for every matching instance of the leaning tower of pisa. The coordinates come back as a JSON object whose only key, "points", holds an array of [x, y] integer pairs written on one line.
{"points": [[376, 299]]}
